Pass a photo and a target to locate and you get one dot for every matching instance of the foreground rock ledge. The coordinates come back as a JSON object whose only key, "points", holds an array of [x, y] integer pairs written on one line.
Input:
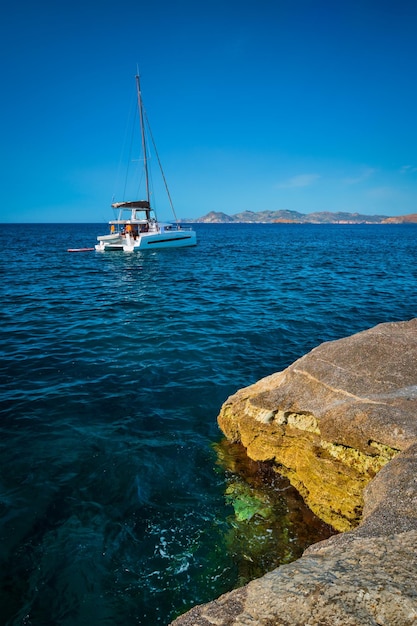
{"points": [[330, 422]]}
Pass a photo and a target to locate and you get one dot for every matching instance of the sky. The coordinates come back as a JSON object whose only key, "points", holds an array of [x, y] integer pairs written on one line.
{"points": [[254, 105]]}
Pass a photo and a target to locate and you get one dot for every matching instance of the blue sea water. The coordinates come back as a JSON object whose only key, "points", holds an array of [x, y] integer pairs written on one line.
{"points": [[114, 497]]}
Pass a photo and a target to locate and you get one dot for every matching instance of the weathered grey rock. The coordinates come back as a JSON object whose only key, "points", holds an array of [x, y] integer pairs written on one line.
{"points": [[333, 418], [373, 582], [361, 389], [353, 405]]}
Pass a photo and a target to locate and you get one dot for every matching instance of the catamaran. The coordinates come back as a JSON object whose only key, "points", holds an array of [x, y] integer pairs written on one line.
{"points": [[137, 227]]}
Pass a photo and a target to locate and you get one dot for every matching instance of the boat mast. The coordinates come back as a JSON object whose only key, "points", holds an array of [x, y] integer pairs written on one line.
{"points": [[142, 129]]}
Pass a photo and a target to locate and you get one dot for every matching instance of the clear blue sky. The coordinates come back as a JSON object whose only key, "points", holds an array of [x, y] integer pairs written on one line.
{"points": [[259, 104]]}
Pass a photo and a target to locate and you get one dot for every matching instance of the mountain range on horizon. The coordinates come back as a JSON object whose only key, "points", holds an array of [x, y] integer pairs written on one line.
{"points": [[294, 217]]}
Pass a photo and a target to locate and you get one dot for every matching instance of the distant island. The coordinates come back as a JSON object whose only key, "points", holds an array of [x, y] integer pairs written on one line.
{"points": [[294, 217]]}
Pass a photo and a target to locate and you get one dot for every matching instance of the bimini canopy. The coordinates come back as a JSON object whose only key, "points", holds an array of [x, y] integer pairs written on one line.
{"points": [[136, 204]]}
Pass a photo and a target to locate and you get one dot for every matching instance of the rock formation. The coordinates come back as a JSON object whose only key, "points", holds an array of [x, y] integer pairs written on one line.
{"points": [[330, 422], [285, 216]]}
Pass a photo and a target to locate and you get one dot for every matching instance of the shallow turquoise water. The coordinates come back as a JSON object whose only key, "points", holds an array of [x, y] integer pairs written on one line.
{"points": [[113, 370]]}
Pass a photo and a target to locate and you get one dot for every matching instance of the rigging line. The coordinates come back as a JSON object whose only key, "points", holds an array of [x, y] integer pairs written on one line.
{"points": [[152, 194], [160, 167], [139, 184]]}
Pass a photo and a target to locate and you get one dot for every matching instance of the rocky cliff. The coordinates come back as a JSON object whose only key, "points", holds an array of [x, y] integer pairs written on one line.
{"points": [[341, 423]]}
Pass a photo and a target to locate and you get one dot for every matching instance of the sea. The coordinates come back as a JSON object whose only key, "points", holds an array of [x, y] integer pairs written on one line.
{"points": [[120, 501]]}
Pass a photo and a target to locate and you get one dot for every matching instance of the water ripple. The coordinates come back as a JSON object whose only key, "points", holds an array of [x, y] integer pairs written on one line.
{"points": [[113, 370]]}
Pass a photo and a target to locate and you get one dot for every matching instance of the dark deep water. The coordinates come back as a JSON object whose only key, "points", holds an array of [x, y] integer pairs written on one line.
{"points": [[114, 506]]}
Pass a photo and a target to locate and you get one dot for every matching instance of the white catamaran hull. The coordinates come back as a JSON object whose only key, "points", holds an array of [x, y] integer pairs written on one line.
{"points": [[147, 241]]}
